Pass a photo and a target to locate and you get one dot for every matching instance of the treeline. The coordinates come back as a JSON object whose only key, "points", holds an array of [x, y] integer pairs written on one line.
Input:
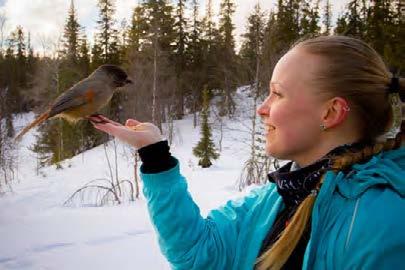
{"points": [[172, 54]]}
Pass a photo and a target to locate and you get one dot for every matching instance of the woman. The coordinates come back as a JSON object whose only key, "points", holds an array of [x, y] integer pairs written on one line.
{"points": [[339, 204]]}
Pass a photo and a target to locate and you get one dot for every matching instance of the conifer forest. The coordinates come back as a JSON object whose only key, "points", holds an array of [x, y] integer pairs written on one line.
{"points": [[180, 54]]}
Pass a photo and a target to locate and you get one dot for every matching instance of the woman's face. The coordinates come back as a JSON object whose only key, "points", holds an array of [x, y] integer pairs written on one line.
{"points": [[292, 113]]}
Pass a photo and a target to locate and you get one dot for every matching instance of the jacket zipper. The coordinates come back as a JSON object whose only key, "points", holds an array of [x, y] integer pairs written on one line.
{"points": [[352, 223]]}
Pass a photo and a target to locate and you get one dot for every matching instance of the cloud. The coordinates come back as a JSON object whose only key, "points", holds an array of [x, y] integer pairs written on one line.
{"points": [[45, 18]]}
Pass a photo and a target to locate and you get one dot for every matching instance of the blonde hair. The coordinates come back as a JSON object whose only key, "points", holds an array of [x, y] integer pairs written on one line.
{"points": [[352, 70]]}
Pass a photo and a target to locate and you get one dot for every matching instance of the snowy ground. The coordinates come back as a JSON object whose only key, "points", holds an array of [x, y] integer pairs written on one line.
{"points": [[38, 232]]}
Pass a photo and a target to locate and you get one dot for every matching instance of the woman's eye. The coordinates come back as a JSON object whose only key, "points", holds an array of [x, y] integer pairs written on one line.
{"points": [[273, 93]]}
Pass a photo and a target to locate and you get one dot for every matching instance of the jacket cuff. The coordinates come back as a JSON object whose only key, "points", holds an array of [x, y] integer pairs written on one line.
{"points": [[156, 158]]}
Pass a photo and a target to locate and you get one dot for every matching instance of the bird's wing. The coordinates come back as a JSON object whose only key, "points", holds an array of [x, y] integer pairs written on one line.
{"points": [[78, 95]]}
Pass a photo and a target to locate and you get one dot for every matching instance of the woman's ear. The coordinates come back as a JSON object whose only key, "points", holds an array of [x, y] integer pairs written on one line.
{"points": [[335, 113]]}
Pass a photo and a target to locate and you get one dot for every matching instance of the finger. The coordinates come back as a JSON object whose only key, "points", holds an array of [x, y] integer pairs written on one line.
{"points": [[96, 120], [132, 122], [110, 121], [102, 118], [107, 128]]}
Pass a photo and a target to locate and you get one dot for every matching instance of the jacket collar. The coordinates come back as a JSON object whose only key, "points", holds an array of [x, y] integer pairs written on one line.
{"points": [[386, 168]]}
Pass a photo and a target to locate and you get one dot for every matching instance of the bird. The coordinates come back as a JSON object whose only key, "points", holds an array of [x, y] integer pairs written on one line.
{"points": [[85, 98]]}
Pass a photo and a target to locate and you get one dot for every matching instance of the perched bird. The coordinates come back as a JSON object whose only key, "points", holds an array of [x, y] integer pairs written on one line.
{"points": [[84, 98]]}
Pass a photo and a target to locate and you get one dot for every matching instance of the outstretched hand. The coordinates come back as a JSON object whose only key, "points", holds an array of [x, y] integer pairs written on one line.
{"points": [[134, 133]]}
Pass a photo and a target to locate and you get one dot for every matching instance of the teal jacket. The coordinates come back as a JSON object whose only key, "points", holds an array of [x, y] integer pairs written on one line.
{"points": [[358, 220]]}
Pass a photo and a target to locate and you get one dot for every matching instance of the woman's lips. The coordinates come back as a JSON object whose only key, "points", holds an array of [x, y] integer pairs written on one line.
{"points": [[269, 128]]}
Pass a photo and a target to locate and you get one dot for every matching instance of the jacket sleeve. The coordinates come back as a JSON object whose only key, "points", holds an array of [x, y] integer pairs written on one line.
{"points": [[187, 239]]}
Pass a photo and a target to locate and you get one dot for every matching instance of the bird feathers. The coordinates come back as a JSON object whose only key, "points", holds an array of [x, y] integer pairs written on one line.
{"points": [[37, 121]]}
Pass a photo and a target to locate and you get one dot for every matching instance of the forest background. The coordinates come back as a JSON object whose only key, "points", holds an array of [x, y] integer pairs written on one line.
{"points": [[173, 54]]}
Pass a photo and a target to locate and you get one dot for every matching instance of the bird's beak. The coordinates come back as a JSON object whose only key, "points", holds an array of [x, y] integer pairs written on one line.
{"points": [[128, 81]]}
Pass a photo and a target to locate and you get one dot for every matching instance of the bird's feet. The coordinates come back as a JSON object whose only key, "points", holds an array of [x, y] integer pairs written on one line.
{"points": [[97, 118]]}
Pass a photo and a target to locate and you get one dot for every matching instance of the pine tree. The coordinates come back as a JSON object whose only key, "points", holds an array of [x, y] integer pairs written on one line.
{"points": [[137, 28], [31, 59], [209, 23], [353, 22], [252, 45], [160, 39], [380, 26], [96, 56], [84, 56], [398, 55], [21, 70], [282, 30], [252, 51], [205, 149], [195, 51], [71, 35], [226, 26], [341, 25], [269, 51], [106, 48], [160, 24], [288, 15], [309, 17], [107, 36], [12, 72], [181, 61], [210, 42], [59, 139], [327, 18], [227, 55]]}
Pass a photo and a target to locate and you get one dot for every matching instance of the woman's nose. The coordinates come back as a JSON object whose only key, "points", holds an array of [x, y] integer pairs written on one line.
{"points": [[263, 109]]}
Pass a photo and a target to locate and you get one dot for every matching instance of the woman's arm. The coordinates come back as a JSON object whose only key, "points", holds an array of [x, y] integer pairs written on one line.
{"points": [[188, 240]]}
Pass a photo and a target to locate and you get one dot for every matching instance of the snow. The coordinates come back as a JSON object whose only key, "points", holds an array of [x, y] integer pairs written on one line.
{"points": [[38, 231]]}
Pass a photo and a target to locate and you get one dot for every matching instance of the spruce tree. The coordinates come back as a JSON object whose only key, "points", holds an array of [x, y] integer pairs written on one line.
{"points": [[353, 22], [59, 139], [96, 56], [209, 22], [210, 42], [205, 149], [160, 40], [252, 45], [269, 55], [252, 50], [107, 35], [137, 29], [31, 59], [138, 60], [227, 57], [181, 61], [309, 19], [398, 59], [21, 70], [106, 48], [327, 18], [84, 56], [380, 27], [71, 35], [12, 72], [195, 51]]}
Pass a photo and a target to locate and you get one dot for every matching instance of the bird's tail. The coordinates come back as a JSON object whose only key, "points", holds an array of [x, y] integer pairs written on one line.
{"points": [[37, 121]]}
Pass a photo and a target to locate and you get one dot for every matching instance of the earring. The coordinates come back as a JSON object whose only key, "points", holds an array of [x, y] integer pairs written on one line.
{"points": [[323, 127]]}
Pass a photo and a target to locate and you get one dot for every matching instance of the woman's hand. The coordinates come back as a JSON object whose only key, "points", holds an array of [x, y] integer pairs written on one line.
{"points": [[134, 133]]}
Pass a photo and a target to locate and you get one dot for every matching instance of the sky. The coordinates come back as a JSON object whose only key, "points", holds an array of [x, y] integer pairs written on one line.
{"points": [[45, 18]]}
